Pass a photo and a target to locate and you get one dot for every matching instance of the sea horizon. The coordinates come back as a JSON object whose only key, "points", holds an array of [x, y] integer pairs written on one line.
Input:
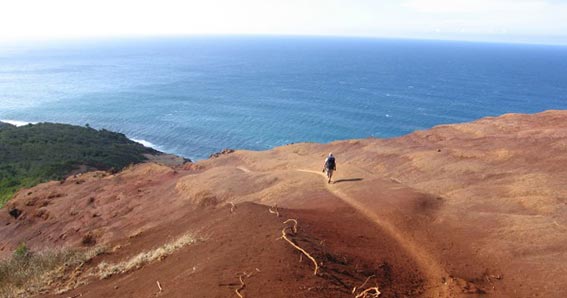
{"points": [[106, 38], [194, 96]]}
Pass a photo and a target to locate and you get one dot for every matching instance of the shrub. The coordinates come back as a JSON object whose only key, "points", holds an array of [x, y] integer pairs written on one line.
{"points": [[22, 252]]}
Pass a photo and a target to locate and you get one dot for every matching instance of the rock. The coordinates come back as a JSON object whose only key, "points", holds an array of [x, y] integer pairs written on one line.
{"points": [[15, 212], [223, 152]]}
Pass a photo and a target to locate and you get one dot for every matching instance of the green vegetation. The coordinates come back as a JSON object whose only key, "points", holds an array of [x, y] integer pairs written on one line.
{"points": [[22, 251], [5, 125], [33, 154]]}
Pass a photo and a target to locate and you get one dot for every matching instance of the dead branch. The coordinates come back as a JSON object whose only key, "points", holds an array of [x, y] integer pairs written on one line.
{"points": [[294, 229], [274, 210], [366, 293], [284, 236], [363, 284], [242, 286], [159, 286]]}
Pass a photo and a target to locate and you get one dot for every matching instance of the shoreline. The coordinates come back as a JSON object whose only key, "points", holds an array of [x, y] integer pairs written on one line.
{"points": [[19, 123]]}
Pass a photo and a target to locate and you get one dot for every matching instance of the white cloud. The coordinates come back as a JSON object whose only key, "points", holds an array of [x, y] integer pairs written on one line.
{"points": [[520, 17], [474, 6]]}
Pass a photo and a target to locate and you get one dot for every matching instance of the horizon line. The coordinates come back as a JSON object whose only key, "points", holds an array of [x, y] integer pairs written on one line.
{"points": [[192, 35]]}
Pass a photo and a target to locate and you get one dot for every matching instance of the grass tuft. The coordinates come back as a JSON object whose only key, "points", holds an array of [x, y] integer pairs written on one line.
{"points": [[106, 270], [27, 273]]}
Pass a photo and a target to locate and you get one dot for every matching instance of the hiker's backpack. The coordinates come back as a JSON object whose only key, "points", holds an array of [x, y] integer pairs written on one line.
{"points": [[331, 163]]}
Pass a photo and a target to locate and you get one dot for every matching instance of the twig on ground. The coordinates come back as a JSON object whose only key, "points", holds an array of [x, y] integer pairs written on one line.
{"points": [[363, 284], [242, 284], [232, 207], [294, 228], [366, 293], [284, 236], [159, 286], [274, 210]]}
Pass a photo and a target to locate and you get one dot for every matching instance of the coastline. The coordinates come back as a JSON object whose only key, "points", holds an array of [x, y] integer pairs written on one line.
{"points": [[145, 143], [207, 154], [17, 123]]}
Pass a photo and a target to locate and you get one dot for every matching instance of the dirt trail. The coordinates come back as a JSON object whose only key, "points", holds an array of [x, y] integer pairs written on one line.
{"points": [[244, 169], [429, 265]]}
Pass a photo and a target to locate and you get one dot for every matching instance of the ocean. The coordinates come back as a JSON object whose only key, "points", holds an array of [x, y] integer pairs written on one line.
{"points": [[194, 96]]}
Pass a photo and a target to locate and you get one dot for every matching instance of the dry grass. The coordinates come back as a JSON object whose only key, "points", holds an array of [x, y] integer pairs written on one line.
{"points": [[27, 273], [106, 270]]}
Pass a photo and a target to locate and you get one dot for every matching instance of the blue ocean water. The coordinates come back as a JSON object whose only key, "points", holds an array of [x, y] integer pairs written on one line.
{"points": [[196, 95]]}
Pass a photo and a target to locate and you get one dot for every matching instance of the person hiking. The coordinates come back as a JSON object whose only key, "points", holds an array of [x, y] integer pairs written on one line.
{"points": [[330, 166]]}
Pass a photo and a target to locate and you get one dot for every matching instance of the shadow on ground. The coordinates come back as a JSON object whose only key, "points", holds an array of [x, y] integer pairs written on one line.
{"points": [[348, 180]]}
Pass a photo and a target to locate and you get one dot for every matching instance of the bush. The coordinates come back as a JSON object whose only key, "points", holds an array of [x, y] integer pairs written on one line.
{"points": [[22, 252]]}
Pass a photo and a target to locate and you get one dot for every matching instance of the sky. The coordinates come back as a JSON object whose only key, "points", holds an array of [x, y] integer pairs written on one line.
{"points": [[534, 21]]}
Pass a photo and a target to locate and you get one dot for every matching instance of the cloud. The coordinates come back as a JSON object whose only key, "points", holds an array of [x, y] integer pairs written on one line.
{"points": [[518, 17], [474, 6]]}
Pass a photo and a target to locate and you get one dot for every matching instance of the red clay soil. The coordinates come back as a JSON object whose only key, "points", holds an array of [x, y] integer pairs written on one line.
{"points": [[247, 242], [472, 210]]}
